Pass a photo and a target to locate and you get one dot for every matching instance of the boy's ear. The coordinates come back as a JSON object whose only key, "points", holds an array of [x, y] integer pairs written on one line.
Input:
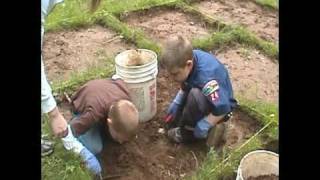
{"points": [[189, 62]]}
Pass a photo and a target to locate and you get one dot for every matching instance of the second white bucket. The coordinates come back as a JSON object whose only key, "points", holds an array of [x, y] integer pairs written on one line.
{"points": [[258, 163], [141, 82]]}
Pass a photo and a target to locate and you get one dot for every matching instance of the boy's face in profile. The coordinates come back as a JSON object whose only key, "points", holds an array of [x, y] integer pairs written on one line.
{"points": [[180, 74]]}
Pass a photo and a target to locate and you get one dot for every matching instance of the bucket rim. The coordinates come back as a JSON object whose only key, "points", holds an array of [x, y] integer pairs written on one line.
{"points": [[136, 67], [250, 153]]}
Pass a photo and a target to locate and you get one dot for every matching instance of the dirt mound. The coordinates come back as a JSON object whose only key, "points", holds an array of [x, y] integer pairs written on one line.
{"points": [[138, 58]]}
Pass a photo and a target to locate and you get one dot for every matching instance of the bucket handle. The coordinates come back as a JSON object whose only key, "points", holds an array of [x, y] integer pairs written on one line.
{"points": [[154, 75]]}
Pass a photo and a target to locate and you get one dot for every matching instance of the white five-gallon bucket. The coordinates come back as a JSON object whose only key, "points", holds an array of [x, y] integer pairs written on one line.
{"points": [[258, 163], [141, 82]]}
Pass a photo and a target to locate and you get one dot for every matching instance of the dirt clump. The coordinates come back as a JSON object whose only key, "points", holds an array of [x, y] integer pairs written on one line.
{"points": [[138, 58]]}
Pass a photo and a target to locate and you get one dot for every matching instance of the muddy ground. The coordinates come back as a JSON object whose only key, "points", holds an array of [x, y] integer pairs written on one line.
{"points": [[264, 22], [70, 51], [253, 75]]}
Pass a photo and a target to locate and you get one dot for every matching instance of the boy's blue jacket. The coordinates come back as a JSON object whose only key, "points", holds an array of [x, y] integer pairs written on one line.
{"points": [[210, 75]]}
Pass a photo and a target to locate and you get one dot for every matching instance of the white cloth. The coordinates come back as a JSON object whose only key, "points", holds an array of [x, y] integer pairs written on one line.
{"points": [[72, 143]]}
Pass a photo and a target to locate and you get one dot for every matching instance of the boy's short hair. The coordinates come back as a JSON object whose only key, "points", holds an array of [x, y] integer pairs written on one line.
{"points": [[177, 51], [125, 117]]}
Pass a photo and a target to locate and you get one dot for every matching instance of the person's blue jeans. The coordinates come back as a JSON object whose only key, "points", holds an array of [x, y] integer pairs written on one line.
{"points": [[91, 139]]}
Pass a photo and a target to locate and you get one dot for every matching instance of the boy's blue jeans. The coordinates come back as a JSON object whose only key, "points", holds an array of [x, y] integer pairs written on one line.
{"points": [[91, 139]]}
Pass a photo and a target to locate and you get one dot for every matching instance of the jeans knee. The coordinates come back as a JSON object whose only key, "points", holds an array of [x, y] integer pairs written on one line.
{"points": [[198, 101], [97, 148], [194, 93]]}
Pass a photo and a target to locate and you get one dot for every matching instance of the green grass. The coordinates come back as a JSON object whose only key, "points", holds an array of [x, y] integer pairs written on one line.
{"points": [[267, 111], [62, 164], [268, 3], [74, 14], [77, 79], [117, 7], [133, 35], [215, 167], [69, 15], [229, 36], [214, 23]]}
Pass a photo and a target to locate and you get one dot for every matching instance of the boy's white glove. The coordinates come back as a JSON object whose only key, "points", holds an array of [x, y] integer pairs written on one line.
{"points": [[72, 143], [115, 77]]}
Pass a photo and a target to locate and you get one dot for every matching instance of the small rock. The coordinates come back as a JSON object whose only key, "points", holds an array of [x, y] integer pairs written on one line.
{"points": [[271, 115], [161, 131], [191, 23], [165, 18], [59, 42], [267, 25]]}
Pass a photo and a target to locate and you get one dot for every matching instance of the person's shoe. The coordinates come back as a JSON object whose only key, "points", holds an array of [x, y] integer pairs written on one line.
{"points": [[216, 135], [46, 147], [174, 135]]}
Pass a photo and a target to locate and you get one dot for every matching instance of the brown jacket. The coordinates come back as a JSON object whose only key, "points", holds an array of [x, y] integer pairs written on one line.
{"points": [[92, 102]]}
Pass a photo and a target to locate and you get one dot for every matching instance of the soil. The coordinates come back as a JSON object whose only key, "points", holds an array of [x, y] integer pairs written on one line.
{"points": [[264, 22], [70, 51], [265, 177], [252, 74], [162, 23]]}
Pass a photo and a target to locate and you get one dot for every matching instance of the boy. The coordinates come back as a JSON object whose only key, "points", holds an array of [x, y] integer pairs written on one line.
{"points": [[99, 106], [205, 98]]}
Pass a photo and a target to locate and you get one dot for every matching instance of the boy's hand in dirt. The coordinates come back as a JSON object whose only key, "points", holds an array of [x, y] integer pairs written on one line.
{"points": [[58, 123], [173, 108], [202, 128]]}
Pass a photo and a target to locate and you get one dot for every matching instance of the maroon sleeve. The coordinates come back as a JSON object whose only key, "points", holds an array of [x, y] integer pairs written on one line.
{"points": [[82, 123]]}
